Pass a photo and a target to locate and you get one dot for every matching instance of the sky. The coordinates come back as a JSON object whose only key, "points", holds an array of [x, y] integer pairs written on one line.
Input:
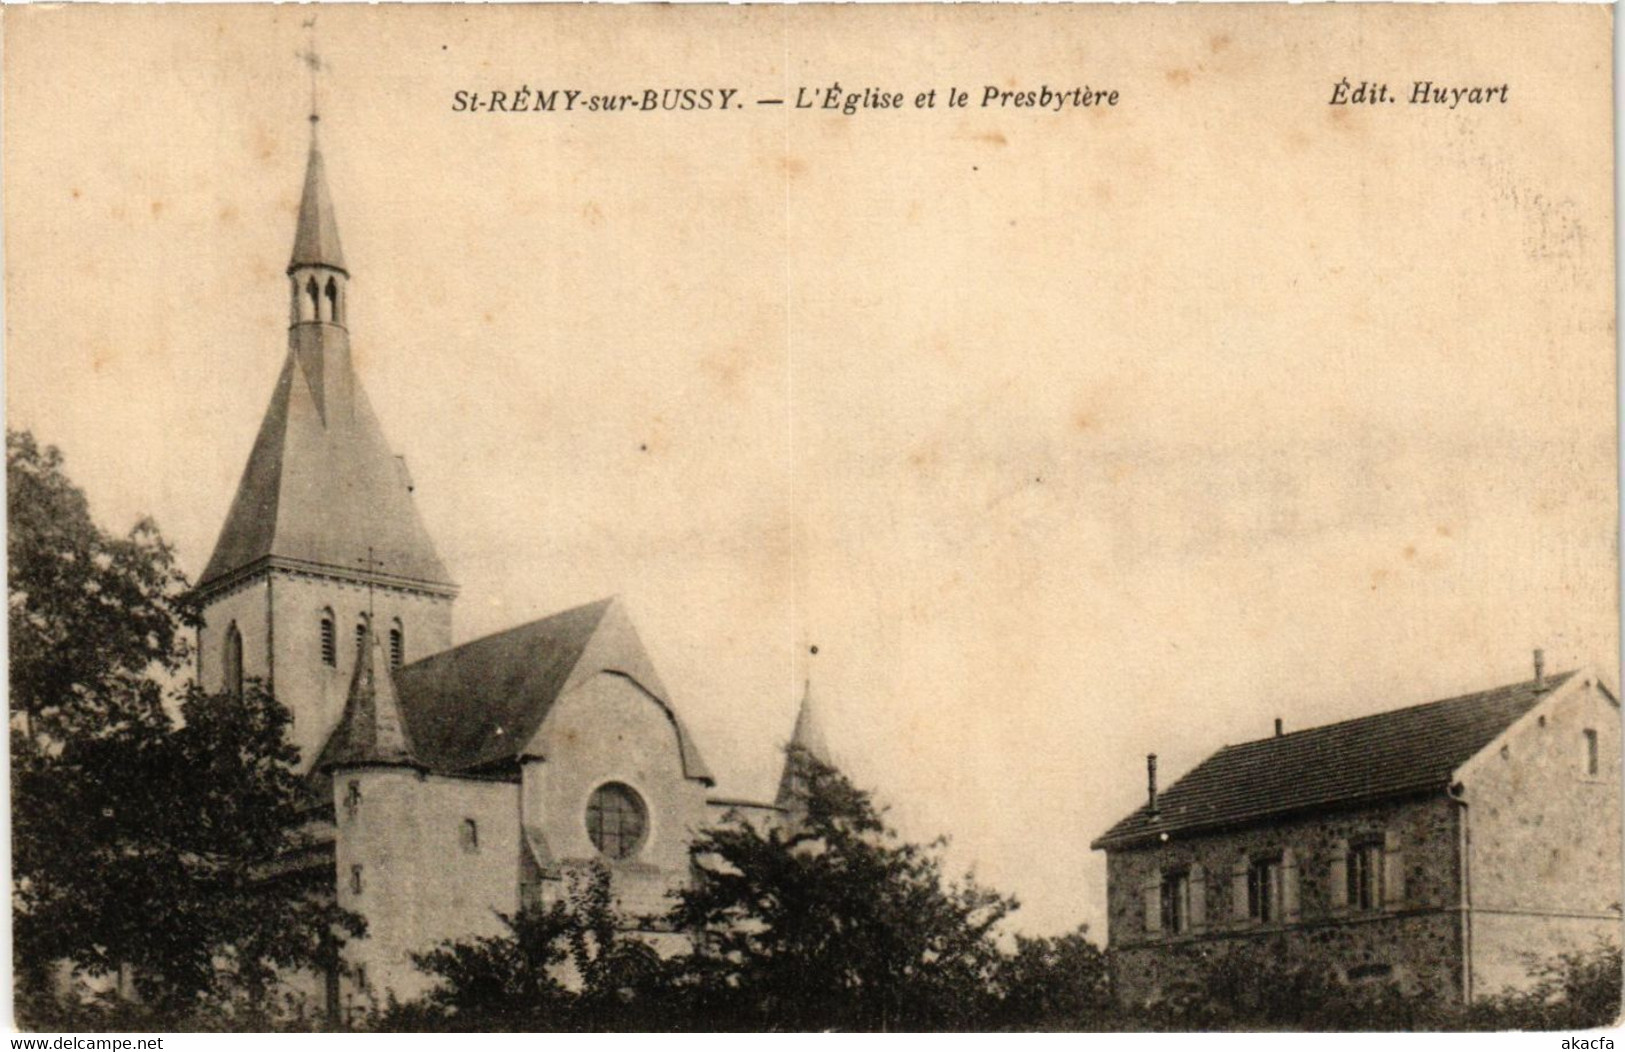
{"points": [[1065, 437]]}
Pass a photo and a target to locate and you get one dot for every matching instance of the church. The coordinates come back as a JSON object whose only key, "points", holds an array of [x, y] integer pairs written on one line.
{"points": [[452, 783]]}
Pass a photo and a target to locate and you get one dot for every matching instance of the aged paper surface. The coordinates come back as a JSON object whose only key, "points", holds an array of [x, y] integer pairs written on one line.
{"points": [[1082, 382]]}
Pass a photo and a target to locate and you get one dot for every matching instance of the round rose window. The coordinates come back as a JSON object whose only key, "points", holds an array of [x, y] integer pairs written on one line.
{"points": [[616, 820]]}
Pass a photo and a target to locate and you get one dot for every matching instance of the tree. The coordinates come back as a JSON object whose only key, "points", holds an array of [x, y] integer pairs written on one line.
{"points": [[140, 840], [832, 921], [569, 965], [1055, 982], [90, 614], [1577, 990]]}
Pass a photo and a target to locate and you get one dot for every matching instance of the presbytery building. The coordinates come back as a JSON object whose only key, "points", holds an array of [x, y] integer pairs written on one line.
{"points": [[1431, 847]]}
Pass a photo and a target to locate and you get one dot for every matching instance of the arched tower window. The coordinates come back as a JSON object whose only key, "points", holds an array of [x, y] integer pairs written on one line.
{"points": [[315, 299], [232, 665], [332, 299], [361, 633], [330, 646], [397, 644]]}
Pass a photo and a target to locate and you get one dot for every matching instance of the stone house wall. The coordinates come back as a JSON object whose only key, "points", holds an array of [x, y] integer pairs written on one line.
{"points": [[1544, 838], [1413, 938]]}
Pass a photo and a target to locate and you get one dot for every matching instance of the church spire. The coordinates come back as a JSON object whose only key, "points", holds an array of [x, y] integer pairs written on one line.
{"points": [[806, 742], [372, 731], [322, 487], [316, 270], [316, 240]]}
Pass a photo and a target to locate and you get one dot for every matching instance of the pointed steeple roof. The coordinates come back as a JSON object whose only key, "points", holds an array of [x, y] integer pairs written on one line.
{"points": [[809, 732], [808, 737], [322, 486], [372, 730], [316, 240]]}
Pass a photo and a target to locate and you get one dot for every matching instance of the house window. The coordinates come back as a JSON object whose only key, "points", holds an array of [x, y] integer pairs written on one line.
{"points": [[616, 820], [1176, 902], [1264, 890], [1365, 876], [1590, 755], [397, 645], [470, 836], [330, 647], [355, 880]]}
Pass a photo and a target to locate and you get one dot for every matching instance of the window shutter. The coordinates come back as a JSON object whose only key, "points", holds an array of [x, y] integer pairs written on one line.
{"points": [[1238, 890], [1337, 877], [1289, 885], [1393, 870], [1151, 891], [1198, 889]]}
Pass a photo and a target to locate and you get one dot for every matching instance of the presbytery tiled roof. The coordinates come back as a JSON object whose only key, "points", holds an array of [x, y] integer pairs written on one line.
{"points": [[1388, 754]]}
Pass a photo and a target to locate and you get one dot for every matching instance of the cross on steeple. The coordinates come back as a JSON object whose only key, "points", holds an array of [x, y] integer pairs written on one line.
{"points": [[313, 62], [371, 566]]}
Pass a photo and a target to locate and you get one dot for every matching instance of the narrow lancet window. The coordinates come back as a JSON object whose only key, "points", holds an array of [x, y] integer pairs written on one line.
{"points": [[233, 663], [330, 649]]}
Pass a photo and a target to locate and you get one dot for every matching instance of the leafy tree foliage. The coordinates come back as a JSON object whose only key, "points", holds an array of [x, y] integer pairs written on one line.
{"points": [[565, 966], [1055, 978], [139, 840], [1579, 990], [832, 921], [829, 921], [90, 614], [1265, 986]]}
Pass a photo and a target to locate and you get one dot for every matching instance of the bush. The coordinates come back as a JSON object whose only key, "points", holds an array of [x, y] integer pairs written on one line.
{"points": [[1574, 991]]}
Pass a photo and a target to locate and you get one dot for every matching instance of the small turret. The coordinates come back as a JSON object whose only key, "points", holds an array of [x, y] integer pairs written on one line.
{"points": [[806, 740], [372, 732]]}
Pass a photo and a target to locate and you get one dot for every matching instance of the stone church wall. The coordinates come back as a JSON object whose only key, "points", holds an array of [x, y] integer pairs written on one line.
{"points": [[437, 857], [609, 729], [247, 607], [315, 691], [279, 616]]}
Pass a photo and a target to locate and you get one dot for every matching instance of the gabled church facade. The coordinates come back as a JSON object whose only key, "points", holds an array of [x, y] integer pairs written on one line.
{"points": [[451, 784]]}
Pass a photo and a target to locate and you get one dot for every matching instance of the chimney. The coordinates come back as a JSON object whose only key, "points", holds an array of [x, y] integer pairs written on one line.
{"points": [[1540, 669], [1151, 782], [1278, 731]]}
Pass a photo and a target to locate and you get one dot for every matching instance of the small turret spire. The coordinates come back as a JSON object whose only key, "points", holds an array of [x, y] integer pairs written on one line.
{"points": [[316, 241], [372, 730], [806, 742], [809, 732]]}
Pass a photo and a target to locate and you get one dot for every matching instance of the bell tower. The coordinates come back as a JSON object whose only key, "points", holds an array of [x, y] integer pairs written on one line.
{"points": [[323, 547]]}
